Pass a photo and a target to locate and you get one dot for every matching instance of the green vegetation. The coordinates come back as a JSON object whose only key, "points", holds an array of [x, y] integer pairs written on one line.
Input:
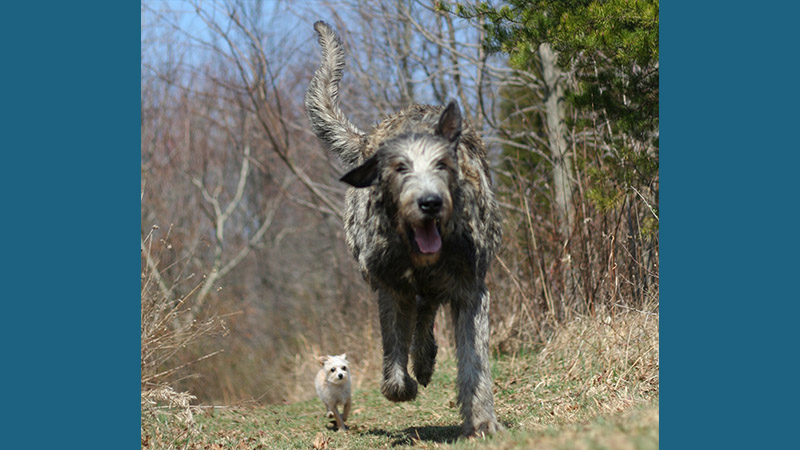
{"points": [[609, 51], [594, 385], [612, 47]]}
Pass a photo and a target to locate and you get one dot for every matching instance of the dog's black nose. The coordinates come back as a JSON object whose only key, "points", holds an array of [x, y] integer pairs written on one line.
{"points": [[341, 376], [430, 203]]}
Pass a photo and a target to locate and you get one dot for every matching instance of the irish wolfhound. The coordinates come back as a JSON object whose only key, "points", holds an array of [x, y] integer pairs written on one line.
{"points": [[423, 224]]}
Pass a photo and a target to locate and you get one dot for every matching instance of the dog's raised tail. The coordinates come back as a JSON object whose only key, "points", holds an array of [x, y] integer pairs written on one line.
{"points": [[322, 101]]}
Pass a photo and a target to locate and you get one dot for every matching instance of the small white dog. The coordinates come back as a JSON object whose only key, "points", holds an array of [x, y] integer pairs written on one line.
{"points": [[333, 387]]}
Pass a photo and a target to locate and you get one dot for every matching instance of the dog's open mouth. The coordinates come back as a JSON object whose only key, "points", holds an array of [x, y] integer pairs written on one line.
{"points": [[427, 237]]}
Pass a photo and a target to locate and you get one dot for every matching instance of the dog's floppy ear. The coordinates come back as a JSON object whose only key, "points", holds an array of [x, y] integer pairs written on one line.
{"points": [[449, 125], [364, 175], [322, 360]]}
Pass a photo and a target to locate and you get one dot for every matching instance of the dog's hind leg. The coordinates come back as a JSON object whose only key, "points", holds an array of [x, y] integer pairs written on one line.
{"points": [[397, 316], [471, 319], [423, 346]]}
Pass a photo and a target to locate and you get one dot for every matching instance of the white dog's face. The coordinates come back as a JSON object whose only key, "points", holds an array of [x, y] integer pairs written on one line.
{"points": [[336, 368]]}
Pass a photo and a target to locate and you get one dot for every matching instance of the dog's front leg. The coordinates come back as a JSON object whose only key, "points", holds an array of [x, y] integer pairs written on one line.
{"points": [[397, 316], [339, 420], [346, 410], [471, 319]]}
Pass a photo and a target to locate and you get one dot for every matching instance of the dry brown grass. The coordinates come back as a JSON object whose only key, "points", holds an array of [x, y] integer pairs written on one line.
{"points": [[168, 325], [591, 366]]}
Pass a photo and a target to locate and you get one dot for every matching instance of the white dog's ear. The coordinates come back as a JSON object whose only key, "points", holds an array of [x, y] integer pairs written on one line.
{"points": [[322, 360], [343, 356]]}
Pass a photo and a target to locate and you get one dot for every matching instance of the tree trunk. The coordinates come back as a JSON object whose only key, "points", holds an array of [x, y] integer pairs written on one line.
{"points": [[555, 117], [555, 113]]}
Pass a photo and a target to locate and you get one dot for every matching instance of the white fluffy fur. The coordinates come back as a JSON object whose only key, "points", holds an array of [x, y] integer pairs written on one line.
{"points": [[333, 387]]}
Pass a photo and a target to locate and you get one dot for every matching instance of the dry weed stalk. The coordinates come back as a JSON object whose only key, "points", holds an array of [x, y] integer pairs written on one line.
{"points": [[167, 327]]}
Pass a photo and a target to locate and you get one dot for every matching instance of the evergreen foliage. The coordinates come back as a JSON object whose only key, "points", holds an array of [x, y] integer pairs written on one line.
{"points": [[610, 46]]}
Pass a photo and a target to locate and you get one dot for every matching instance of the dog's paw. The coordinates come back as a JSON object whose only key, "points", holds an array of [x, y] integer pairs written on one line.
{"points": [[423, 368], [329, 414], [423, 375], [400, 392], [484, 428], [424, 362]]}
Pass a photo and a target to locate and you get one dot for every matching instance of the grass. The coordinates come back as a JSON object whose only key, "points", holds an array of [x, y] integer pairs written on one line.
{"points": [[593, 386]]}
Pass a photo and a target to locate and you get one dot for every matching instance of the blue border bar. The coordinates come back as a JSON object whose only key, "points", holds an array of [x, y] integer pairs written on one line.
{"points": [[70, 221]]}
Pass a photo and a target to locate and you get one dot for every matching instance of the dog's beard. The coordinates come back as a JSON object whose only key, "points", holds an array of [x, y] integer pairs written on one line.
{"points": [[427, 237]]}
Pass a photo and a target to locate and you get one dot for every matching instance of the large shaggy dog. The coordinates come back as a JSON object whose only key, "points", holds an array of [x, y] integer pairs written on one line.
{"points": [[423, 224]]}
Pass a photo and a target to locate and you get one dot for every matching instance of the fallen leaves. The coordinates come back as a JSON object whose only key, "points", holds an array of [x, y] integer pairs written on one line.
{"points": [[321, 441]]}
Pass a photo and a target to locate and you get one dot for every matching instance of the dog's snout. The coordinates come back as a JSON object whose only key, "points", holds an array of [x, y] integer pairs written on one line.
{"points": [[430, 203], [341, 376]]}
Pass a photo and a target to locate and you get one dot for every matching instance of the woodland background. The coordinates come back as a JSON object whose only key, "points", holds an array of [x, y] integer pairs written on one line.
{"points": [[245, 273]]}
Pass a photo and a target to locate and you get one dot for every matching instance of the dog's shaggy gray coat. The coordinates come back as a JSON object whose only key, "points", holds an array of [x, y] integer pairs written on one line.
{"points": [[423, 224]]}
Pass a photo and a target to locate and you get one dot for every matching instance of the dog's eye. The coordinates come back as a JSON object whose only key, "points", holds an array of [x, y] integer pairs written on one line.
{"points": [[401, 168], [344, 368], [333, 369], [441, 166]]}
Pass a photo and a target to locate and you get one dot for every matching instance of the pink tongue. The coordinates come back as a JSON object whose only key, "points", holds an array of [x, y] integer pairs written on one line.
{"points": [[427, 237]]}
